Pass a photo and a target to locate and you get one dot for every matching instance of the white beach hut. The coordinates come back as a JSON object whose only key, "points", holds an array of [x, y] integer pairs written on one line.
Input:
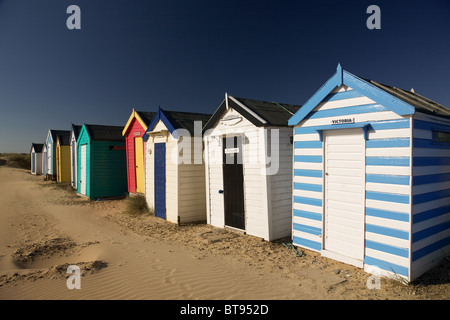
{"points": [[174, 167], [36, 158], [73, 154], [248, 156]]}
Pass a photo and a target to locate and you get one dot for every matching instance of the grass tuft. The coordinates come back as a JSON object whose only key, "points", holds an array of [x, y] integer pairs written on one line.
{"points": [[137, 205]]}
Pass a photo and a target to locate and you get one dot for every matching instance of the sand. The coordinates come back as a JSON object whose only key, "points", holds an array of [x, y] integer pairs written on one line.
{"points": [[44, 228]]}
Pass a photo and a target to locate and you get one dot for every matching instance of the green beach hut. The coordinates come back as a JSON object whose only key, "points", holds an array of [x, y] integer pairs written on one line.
{"points": [[102, 168]]}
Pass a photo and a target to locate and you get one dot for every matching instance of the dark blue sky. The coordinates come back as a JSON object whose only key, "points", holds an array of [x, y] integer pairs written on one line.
{"points": [[184, 55]]}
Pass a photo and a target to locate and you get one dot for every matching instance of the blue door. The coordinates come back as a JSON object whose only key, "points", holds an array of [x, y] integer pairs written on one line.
{"points": [[160, 180]]}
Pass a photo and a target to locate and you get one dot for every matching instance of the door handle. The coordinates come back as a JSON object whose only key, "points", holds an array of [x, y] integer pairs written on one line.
{"points": [[220, 191]]}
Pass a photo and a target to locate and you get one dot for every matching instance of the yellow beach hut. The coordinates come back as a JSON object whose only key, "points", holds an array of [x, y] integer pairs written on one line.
{"points": [[63, 156]]}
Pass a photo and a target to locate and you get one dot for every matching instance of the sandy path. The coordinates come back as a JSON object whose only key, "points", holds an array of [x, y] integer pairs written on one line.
{"points": [[44, 228], [138, 267]]}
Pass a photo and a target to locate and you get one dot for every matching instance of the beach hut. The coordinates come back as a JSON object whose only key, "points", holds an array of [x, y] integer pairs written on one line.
{"points": [[36, 158], [174, 167], [133, 131], [372, 176], [63, 156], [248, 155], [73, 154], [101, 162], [50, 160]]}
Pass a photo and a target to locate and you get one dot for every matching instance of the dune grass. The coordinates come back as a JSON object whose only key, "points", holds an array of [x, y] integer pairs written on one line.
{"points": [[137, 205], [16, 160]]}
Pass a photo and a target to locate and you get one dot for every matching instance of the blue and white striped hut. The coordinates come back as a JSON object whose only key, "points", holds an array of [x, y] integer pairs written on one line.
{"points": [[372, 176]]}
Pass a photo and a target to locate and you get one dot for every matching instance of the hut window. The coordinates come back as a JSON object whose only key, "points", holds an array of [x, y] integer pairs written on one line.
{"points": [[291, 139], [441, 136]]}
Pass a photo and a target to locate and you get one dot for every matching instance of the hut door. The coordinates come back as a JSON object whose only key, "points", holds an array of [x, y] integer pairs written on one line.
{"points": [[83, 169], [344, 188], [49, 159], [160, 180], [233, 182], [44, 161], [33, 162], [139, 161], [74, 165]]}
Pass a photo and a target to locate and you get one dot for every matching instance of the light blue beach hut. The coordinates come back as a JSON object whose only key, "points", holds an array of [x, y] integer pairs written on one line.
{"points": [[372, 176]]}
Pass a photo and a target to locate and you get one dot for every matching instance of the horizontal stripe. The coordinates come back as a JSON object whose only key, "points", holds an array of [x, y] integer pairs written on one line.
{"points": [[425, 152], [388, 143], [308, 152], [307, 229], [368, 108], [388, 188], [389, 170], [358, 118], [397, 251], [307, 137], [386, 214], [430, 248], [394, 124], [431, 196], [314, 159], [307, 144], [390, 197], [430, 214], [387, 161], [376, 125], [310, 201], [417, 236], [388, 152], [389, 134], [388, 266], [431, 161], [391, 232], [425, 143], [389, 179], [308, 173], [342, 95], [307, 243], [308, 186], [318, 166], [430, 187], [431, 178], [425, 125], [307, 215]]}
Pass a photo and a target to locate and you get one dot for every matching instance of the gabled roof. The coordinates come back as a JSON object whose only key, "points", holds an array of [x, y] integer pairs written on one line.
{"points": [[37, 147], [419, 102], [397, 100], [258, 112], [54, 134], [104, 133], [144, 118], [64, 138], [76, 130], [174, 120]]}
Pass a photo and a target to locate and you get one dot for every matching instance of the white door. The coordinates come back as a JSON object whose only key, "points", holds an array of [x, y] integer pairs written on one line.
{"points": [[344, 187], [33, 162], [49, 159], [83, 169]]}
